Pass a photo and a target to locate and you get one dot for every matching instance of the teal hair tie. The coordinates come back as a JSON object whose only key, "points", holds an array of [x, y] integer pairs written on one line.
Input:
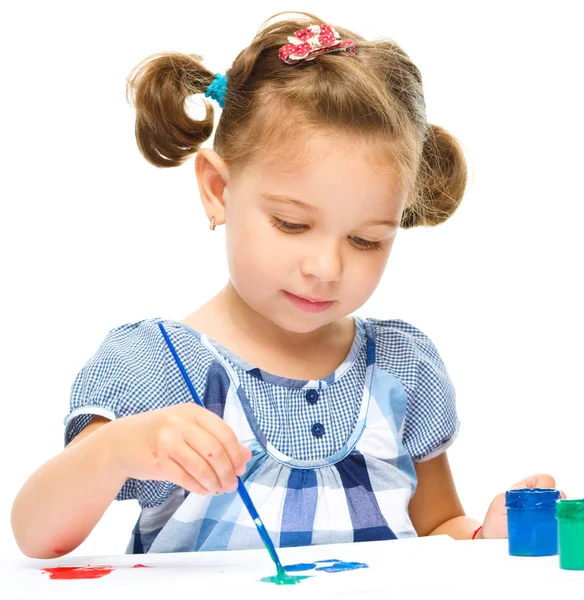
{"points": [[217, 89]]}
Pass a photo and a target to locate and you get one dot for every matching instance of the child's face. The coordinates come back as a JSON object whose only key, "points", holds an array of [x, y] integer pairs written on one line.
{"points": [[334, 253]]}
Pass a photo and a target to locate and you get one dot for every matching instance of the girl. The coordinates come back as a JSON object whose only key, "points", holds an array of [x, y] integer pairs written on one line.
{"points": [[337, 424]]}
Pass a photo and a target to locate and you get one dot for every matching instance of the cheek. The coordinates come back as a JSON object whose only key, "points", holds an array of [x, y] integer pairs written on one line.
{"points": [[252, 253], [366, 275]]}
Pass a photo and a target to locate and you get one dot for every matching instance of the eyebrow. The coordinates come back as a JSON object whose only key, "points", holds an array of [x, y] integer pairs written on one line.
{"points": [[315, 210], [289, 200]]}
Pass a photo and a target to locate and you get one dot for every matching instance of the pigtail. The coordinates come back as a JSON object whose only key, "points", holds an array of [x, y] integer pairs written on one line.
{"points": [[158, 88], [441, 180], [376, 95]]}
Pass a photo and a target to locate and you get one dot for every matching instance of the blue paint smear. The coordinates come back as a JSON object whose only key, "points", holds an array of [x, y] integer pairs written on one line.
{"points": [[342, 566], [331, 560], [334, 566], [300, 567]]}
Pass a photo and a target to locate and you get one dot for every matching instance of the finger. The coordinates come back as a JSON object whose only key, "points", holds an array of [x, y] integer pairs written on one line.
{"points": [[196, 466], [218, 429], [540, 481], [213, 452], [545, 481], [563, 495], [172, 471]]}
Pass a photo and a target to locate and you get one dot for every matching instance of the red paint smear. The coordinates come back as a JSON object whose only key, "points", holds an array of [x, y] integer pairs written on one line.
{"points": [[141, 567], [78, 572]]}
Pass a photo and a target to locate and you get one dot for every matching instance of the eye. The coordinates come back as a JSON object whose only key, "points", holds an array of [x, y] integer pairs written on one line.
{"points": [[358, 242], [365, 244], [287, 227]]}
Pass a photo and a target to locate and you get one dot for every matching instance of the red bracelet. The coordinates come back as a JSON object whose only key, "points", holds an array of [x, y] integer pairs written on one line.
{"points": [[474, 535]]}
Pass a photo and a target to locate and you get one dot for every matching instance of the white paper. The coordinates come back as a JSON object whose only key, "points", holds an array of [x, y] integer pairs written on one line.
{"points": [[436, 567]]}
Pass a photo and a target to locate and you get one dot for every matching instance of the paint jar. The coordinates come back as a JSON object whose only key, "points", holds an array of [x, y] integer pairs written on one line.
{"points": [[531, 521], [570, 515]]}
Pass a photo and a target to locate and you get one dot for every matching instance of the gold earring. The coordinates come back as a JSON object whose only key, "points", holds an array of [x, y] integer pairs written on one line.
{"points": [[212, 224]]}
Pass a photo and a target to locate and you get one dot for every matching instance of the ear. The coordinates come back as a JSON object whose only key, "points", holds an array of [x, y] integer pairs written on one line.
{"points": [[212, 177]]}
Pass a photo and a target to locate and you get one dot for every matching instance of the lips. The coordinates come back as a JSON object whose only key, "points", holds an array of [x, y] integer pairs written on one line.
{"points": [[311, 299], [309, 304]]}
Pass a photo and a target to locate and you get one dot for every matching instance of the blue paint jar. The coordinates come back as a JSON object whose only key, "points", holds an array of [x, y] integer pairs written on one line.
{"points": [[531, 521]]}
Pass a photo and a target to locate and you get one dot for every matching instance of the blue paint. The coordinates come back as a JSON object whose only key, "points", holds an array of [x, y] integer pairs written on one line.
{"points": [[343, 566], [334, 566], [531, 523], [330, 560], [300, 567]]}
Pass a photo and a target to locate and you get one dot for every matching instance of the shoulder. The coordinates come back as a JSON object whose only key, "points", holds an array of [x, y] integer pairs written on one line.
{"points": [[136, 354], [403, 349], [137, 334], [137, 340], [134, 370], [398, 336], [430, 420], [143, 331]]}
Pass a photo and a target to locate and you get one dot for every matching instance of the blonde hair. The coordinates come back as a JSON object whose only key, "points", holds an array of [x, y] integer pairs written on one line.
{"points": [[374, 96]]}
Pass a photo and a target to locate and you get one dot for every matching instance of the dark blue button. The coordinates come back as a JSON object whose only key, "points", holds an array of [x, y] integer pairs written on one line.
{"points": [[317, 429], [312, 396]]}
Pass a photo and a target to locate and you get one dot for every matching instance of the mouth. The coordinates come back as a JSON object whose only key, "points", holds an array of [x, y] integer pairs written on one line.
{"points": [[309, 304]]}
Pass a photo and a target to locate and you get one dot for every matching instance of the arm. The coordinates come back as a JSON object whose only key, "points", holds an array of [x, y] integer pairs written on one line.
{"points": [[435, 507], [63, 500], [184, 444]]}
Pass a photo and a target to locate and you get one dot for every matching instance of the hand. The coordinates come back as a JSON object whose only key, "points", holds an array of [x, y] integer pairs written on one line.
{"points": [[495, 524], [185, 444]]}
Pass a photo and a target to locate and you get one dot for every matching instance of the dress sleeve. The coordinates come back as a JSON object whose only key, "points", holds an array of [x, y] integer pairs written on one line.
{"points": [[127, 375], [431, 422]]}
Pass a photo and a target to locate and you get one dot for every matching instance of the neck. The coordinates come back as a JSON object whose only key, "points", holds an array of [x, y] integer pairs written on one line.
{"points": [[239, 316]]}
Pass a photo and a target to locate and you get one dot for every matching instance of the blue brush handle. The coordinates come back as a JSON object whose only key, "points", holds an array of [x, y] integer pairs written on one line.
{"points": [[240, 487], [259, 524]]}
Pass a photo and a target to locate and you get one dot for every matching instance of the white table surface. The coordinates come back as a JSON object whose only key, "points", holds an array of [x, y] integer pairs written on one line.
{"points": [[435, 567]]}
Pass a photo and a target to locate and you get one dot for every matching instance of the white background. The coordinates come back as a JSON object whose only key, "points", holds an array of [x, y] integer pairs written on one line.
{"points": [[93, 236]]}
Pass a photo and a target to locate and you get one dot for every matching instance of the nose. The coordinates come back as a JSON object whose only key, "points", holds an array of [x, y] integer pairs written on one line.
{"points": [[324, 261]]}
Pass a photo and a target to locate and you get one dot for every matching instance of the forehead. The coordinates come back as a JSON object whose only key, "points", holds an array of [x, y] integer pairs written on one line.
{"points": [[317, 167]]}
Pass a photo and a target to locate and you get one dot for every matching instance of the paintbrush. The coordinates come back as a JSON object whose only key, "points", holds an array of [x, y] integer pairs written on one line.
{"points": [[240, 487]]}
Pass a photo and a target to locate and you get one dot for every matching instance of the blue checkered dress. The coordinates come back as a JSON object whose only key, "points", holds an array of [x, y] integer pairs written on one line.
{"points": [[332, 459]]}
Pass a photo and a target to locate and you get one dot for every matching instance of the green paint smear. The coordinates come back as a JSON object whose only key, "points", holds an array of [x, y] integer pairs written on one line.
{"points": [[282, 578]]}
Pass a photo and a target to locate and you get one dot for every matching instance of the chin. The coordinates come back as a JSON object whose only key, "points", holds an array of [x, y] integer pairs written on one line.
{"points": [[303, 324], [291, 320]]}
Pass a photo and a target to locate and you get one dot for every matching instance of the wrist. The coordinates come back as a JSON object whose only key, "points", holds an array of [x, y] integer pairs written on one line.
{"points": [[108, 448]]}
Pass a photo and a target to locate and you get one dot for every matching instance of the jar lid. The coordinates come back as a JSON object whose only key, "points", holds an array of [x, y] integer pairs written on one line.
{"points": [[531, 497], [570, 509]]}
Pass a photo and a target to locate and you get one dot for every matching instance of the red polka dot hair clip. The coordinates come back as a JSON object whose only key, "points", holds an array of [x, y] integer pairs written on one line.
{"points": [[311, 41]]}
